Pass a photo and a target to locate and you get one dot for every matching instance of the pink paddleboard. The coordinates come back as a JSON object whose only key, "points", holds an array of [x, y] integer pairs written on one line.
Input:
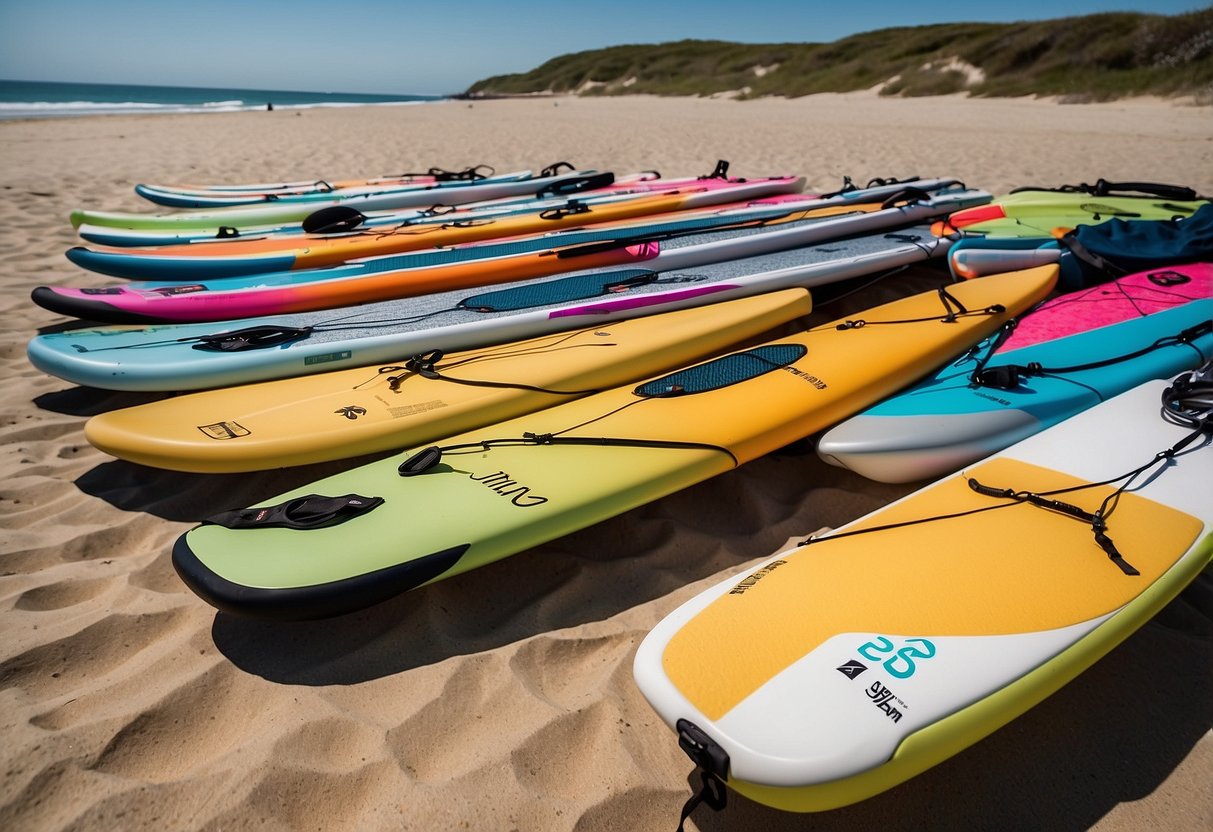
{"points": [[1133, 296]]}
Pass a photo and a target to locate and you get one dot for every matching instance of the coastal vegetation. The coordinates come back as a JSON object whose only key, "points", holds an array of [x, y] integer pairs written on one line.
{"points": [[1090, 58]]}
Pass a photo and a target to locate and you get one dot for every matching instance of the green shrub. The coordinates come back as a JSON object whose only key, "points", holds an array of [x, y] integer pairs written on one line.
{"points": [[1096, 57]]}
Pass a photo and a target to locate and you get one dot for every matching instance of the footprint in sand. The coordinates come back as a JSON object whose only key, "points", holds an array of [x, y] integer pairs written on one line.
{"points": [[63, 594], [195, 723]]}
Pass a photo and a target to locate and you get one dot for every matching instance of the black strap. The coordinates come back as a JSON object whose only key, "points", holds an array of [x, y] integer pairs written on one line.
{"points": [[881, 181], [711, 791], [1188, 401], [471, 222], [1008, 376], [333, 220], [437, 210], [953, 311], [576, 184], [313, 511], [425, 460], [1098, 518], [250, 338], [1100, 212], [848, 185], [665, 388], [910, 194], [1099, 525], [712, 763], [1069, 240], [226, 231], [469, 174], [1103, 187], [992, 345], [571, 208], [721, 171], [556, 167], [425, 366]]}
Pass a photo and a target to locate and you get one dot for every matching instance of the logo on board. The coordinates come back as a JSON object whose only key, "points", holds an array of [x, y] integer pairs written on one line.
{"points": [[501, 483], [852, 668], [899, 659], [902, 663]]}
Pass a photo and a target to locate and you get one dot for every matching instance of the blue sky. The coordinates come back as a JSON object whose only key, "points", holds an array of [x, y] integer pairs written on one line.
{"points": [[430, 47]]}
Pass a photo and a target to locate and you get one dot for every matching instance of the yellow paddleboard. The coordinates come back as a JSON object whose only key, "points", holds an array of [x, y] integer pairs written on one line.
{"points": [[367, 409]]}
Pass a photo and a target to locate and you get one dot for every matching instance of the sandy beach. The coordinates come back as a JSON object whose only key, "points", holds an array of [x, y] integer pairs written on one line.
{"points": [[502, 699]]}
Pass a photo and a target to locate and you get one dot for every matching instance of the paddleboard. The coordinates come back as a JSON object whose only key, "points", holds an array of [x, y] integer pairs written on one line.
{"points": [[320, 183], [1132, 296], [1030, 212], [838, 669], [731, 234], [177, 198], [446, 194], [210, 196], [492, 492], [1000, 393], [476, 173], [425, 397], [196, 356]]}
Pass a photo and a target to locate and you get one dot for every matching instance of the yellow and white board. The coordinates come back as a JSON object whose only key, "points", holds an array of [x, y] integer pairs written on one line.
{"points": [[838, 669]]}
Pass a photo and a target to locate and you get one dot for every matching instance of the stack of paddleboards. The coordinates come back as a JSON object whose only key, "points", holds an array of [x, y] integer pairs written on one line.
{"points": [[677, 261], [542, 352], [728, 232]]}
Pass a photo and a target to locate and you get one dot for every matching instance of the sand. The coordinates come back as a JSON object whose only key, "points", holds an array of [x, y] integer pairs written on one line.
{"points": [[502, 699]]}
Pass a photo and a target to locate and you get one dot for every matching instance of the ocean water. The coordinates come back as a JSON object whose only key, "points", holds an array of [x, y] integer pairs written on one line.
{"points": [[42, 99]]}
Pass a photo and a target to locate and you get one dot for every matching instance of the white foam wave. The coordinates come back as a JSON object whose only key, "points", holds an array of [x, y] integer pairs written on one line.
{"points": [[44, 109]]}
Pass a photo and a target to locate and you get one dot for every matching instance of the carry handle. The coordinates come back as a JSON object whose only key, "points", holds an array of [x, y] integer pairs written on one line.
{"points": [[577, 184], [1105, 188], [910, 194]]}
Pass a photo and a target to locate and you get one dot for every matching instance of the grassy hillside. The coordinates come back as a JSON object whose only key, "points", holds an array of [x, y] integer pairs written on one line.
{"points": [[1096, 57]]}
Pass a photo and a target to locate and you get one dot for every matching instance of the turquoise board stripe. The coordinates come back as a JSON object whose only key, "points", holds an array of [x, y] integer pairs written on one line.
{"points": [[1053, 398]]}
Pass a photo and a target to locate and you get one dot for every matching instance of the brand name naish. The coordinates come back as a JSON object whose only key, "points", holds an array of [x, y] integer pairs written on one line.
{"points": [[503, 484]]}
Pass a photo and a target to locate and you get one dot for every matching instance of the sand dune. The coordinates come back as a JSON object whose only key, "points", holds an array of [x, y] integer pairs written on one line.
{"points": [[501, 699]]}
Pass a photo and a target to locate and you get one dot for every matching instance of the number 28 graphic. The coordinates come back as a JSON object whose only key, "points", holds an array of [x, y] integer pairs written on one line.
{"points": [[901, 663]]}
